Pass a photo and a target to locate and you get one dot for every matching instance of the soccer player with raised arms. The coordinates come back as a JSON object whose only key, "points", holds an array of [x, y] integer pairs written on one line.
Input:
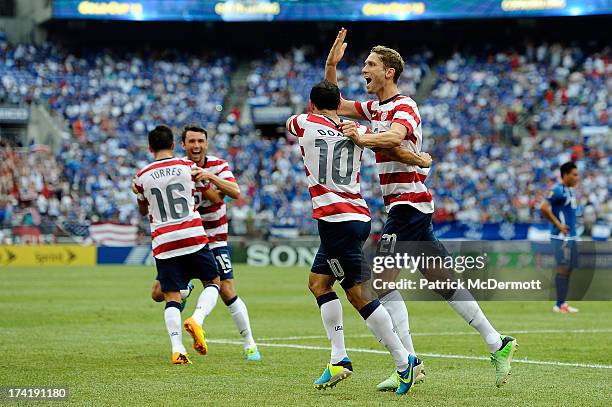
{"points": [[396, 122], [165, 190], [332, 164], [560, 210]]}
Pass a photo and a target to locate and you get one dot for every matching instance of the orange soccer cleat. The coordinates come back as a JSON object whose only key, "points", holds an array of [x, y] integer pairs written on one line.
{"points": [[197, 333], [179, 358]]}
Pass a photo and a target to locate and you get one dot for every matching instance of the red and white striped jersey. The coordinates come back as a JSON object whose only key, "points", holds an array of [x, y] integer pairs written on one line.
{"points": [[168, 188], [214, 216], [332, 164], [400, 183]]}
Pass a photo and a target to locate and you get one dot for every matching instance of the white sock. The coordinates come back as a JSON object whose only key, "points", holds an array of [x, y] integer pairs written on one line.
{"points": [[465, 305], [331, 314], [172, 316], [206, 303], [381, 326], [240, 315], [396, 307]]}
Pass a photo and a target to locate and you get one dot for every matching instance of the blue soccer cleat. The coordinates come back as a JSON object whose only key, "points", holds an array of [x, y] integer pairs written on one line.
{"points": [[252, 354], [392, 382], [406, 378], [334, 374]]}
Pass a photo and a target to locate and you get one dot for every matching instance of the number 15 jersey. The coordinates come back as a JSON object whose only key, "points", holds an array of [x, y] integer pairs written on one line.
{"points": [[167, 186], [332, 164]]}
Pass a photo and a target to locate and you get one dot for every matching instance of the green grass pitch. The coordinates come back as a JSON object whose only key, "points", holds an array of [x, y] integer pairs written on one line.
{"points": [[96, 331]]}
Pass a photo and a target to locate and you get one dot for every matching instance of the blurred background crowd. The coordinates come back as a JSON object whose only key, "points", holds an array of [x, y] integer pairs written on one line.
{"points": [[497, 121]]}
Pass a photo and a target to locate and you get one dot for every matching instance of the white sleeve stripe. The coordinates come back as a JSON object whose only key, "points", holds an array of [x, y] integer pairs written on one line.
{"points": [[226, 174], [290, 128], [406, 116]]}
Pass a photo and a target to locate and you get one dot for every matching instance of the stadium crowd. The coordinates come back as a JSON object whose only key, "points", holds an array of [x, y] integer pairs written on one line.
{"points": [[109, 99], [286, 78], [551, 86]]}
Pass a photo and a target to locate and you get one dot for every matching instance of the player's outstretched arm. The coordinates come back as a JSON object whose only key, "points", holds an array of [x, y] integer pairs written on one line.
{"points": [[403, 155], [335, 56], [347, 107], [388, 139], [548, 214]]}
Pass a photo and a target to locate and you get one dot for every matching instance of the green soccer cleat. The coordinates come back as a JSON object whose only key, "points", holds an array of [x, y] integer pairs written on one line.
{"points": [[334, 374], [502, 360], [391, 383]]}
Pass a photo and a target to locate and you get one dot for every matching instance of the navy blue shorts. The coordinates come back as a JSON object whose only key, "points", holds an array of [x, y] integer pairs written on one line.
{"points": [[409, 230], [566, 252], [224, 262], [175, 273], [340, 253]]}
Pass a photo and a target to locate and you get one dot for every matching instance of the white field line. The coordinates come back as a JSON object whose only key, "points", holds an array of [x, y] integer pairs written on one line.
{"points": [[431, 355], [453, 333]]}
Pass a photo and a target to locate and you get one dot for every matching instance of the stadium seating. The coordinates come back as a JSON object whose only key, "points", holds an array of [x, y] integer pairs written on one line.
{"points": [[108, 99], [478, 176]]}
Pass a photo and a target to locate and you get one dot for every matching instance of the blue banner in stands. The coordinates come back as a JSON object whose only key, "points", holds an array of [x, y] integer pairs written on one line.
{"points": [[479, 231]]}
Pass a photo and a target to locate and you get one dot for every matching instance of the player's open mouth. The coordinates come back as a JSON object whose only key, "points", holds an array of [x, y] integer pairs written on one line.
{"points": [[368, 80]]}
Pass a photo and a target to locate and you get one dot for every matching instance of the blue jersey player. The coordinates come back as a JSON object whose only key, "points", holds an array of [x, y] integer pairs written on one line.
{"points": [[560, 209]]}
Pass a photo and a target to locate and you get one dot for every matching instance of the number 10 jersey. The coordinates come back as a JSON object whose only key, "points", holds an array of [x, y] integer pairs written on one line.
{"points": [[167, 186], [332, 164]]}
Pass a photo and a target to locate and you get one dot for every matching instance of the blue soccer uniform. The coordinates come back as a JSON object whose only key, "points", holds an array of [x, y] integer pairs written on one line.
{"points": [[562, 200]]}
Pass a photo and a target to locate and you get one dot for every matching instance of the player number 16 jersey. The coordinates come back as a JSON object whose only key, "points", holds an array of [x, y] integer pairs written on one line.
{"points": [[167, 187]]}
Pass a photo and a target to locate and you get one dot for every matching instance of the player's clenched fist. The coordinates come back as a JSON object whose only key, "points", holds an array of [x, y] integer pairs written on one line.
{"points": [[349, 129], [337, 50], [427, 160], [200, 174]]}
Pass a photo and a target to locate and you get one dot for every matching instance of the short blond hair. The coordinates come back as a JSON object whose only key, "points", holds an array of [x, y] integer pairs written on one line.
{"points": [[390, 59]]}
